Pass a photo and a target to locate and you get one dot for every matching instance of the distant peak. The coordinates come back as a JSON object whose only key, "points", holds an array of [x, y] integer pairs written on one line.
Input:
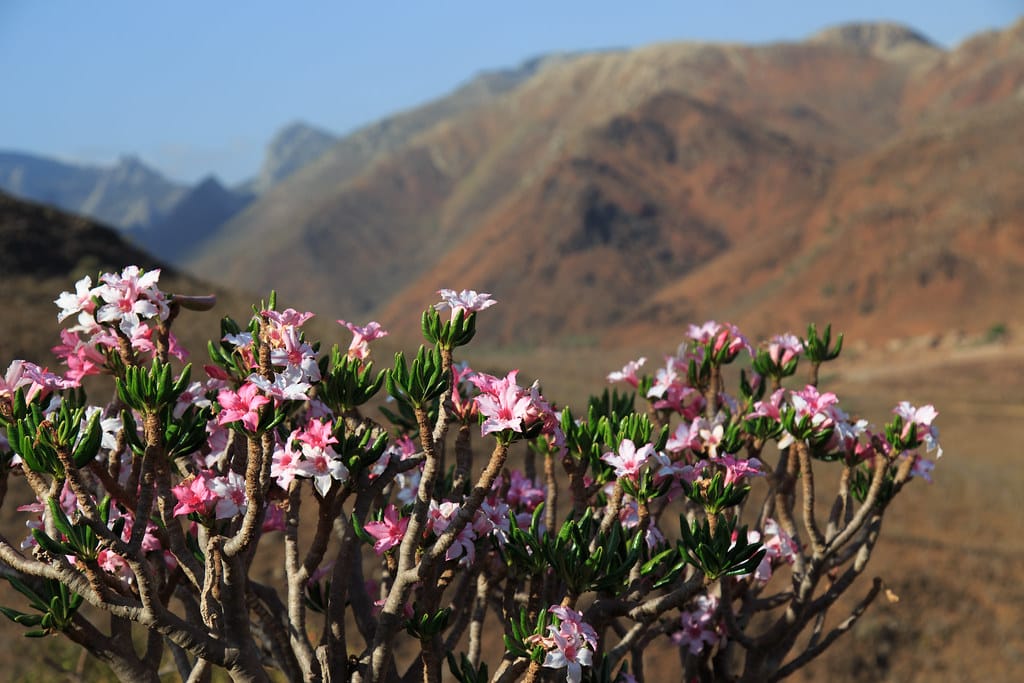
{"points": [[880, 38], [210, 182], [300, 130]]}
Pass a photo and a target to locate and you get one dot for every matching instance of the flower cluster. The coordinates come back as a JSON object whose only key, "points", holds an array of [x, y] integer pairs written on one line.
{"points": [[150, 507]]}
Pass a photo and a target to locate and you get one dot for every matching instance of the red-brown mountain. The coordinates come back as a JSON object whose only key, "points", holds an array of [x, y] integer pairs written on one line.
{"points": [[864, 176]]}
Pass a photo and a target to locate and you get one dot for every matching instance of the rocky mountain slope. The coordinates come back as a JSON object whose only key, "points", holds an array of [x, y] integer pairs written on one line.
{"points": [[850, 177]]}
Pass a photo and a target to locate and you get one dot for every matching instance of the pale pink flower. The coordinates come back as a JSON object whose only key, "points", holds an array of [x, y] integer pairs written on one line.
{"points": [[288, 385], [783, 348], [229, 491], [921, 417], [522, 492], [699, 627], [630, 459], [130, 297], [468, 300], [676, 470], [629, 518], [194, 395], [628, 373], [79, 301], [322, 466], [36, 381], [439, 518], [283, 465], [502, 402], [288, 349], [771, 408], [287, 318], [359, 348], [492, 518], [573, 642]]}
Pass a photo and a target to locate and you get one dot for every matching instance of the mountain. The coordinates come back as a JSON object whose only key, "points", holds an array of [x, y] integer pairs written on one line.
{"points": [[293, 147], [192, 219], [601, 195], [294, 200], [129, 195], [44, 250], [40, 241]]}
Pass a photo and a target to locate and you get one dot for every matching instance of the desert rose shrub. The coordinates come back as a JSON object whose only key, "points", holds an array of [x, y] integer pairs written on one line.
{"points": [[474, 532]]}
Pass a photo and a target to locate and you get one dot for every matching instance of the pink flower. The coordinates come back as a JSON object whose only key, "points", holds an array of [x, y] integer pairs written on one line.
{"points": [[462, 406], [288, 349], [287, 318], [82, 359], [502, 402], [229, 493], [737, 468], [35, 380], [522, 492], [130, 297], [359, 348], [629, 460], [573, 642], [922, 418], [699, 628], [718, 337], [783, 348], [323, 466], [316, 434], [243, 405], [283, 464], [629, 517], [439, 518], [192, 496], [628, 373], [771, 408], [468, 300]]}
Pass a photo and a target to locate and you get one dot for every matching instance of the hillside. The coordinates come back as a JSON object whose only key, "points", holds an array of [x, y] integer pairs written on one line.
{"points": [[43, 251], [842, 178]]}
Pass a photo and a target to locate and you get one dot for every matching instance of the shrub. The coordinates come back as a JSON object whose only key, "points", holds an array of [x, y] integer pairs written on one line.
{"points": [[619, 526]]}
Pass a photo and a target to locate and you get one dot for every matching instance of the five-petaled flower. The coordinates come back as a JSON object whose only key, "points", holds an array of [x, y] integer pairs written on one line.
{"points": [[571, 643], [629, 460], [242, 405], [468, 301], [389, 531]]}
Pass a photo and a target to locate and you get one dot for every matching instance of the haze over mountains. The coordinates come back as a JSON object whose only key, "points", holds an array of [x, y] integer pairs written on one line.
{"points": [[158, 214], [864, 176]]}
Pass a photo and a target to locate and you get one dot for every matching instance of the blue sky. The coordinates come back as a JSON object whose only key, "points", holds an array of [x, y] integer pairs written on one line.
{"points": [[197, 87]]}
